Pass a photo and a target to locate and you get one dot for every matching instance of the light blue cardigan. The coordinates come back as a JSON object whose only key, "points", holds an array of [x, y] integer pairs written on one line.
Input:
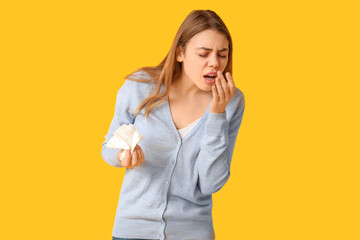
{"points": [[169, 196]]}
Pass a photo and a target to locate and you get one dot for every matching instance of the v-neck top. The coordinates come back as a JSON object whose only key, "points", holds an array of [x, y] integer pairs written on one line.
{"points": [[169, 195], [185, 130]]}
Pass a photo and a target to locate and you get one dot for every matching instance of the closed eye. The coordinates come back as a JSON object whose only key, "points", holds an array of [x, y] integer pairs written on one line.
{"points": [[205, 56]]}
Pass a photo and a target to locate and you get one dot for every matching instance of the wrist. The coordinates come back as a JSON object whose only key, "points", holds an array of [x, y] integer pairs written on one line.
{"points": [[217, 111]]}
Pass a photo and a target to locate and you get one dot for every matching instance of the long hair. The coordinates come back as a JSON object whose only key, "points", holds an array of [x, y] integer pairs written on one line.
{"points": [[169, 69]]}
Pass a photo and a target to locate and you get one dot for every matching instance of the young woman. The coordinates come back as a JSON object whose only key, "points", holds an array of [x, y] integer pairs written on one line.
{"points": [[189, 112]]}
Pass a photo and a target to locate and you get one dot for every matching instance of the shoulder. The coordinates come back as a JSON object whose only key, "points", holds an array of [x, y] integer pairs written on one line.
{"points": [[237, 101], [239, 95], [132, 93], [236, 104], [134, 88], [135, 85]]}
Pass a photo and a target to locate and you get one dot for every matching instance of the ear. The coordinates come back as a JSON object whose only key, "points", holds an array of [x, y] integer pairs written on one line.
{"points": [[179, 54]]}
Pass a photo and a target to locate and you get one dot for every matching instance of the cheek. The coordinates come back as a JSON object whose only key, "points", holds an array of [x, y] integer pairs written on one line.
{"points": [[225, 62], [223, 65], [194, 66]]}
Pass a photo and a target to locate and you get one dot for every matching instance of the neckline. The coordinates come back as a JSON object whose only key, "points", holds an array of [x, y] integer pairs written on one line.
{"points": [[190, 125], [193, 129]]}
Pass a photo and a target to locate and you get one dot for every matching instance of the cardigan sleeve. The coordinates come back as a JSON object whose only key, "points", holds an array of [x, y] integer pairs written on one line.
{"points": [[217, 147], [122, 115]]}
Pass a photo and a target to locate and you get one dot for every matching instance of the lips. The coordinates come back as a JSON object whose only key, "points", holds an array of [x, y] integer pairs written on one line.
{"points": [[210, 77], [211, 74], [209, 80]]}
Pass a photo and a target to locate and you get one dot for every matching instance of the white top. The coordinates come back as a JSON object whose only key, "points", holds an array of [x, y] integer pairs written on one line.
{"points": [[187, 129]]}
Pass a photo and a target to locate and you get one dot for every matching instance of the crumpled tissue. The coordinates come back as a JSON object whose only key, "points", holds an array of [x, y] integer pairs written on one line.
{"points": [[125, 137]]}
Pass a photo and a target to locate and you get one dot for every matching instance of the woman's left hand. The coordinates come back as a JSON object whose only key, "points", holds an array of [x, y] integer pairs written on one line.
{"points": [[222, 92]]}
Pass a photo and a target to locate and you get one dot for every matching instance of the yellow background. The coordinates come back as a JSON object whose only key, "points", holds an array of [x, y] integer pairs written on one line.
{"points": [[295, 170]]}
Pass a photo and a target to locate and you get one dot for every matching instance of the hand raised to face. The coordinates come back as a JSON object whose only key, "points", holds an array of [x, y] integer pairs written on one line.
{"points": [[223, 91]]}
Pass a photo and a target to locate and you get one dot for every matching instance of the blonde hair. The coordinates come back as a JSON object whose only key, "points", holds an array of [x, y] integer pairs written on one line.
{"points": [[196, 22]]}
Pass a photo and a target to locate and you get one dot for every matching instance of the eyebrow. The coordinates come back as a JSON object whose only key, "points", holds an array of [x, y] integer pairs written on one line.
{"points": [[210, 49]]}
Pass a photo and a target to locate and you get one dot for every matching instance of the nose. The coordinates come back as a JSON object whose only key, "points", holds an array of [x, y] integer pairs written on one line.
{"points": [[213, 61]]}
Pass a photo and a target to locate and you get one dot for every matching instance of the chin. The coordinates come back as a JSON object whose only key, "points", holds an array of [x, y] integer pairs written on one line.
{"points": [[205, 88]]}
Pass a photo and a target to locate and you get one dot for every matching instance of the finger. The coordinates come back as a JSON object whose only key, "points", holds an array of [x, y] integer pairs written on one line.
{"points": [[137, 152], [219, 89], [121, 155], [214, 93], [134, 159], [126, 161], [142, 157], [225, 86], [231, 84]]}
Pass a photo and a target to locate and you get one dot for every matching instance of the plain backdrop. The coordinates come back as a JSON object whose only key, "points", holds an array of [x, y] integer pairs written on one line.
{"points": [[295, 169]]}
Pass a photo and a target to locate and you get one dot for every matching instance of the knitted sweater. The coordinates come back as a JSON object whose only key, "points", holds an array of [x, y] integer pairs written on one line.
{"points": [[169, 196]]}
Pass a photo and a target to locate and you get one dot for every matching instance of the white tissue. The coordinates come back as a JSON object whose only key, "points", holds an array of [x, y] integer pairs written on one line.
{"points": [[125, 137]]}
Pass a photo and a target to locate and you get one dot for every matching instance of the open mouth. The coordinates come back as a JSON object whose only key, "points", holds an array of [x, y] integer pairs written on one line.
{"points": [[209, 79]]}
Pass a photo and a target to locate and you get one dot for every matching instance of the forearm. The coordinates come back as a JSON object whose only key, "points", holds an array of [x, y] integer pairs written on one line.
{"points": [[121, 116], [111, 156], [213, 162]]}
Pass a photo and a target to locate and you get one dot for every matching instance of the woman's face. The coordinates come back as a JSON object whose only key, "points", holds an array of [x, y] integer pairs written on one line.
{"points": [[206, 53]]}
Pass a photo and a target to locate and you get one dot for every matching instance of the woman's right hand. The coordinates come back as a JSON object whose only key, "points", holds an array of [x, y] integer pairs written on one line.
{"points": [[132, 160]]}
